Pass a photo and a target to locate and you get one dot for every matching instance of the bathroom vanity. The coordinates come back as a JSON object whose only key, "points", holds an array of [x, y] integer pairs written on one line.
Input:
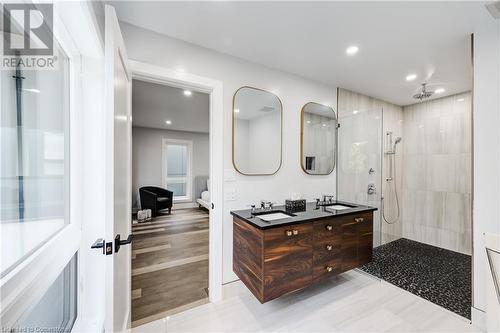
{"points": [[276, 257]]}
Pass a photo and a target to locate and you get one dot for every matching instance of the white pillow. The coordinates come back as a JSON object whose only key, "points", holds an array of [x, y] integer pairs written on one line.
{"points": [[208, 184]]}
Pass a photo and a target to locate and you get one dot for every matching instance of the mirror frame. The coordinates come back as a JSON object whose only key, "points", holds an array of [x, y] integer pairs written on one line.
{"points": [[233, 136], [302, 140]]}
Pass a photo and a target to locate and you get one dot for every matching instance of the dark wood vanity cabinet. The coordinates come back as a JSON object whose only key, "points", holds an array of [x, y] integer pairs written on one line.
{"points": [[276, 261]]}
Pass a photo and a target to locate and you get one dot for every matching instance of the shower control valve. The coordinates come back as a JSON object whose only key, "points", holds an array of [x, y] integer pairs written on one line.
{"points": [[372, 189]]}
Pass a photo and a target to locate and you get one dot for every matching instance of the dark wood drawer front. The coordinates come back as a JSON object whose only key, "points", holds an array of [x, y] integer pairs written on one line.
{"points": [[327, 229], [326, 250], [287, 259], [327, 268]]}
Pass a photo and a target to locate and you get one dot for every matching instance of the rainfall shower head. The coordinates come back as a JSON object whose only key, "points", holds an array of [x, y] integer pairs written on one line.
{"points": [[424, 93]]}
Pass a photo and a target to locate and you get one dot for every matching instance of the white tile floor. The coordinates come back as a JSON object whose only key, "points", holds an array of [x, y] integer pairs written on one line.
{"points": [[351, 302]]}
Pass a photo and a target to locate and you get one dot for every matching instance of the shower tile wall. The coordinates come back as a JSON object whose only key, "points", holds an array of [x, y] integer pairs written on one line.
{"points": [[360, 117], [436, 193]]}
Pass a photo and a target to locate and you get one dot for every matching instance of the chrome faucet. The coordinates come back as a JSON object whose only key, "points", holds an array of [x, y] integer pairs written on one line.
{"points": [[328, 198], [266, 205]]}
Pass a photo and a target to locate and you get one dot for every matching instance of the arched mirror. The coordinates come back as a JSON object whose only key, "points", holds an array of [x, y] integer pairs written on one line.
{"points": [[318, 139], [257, 127]]}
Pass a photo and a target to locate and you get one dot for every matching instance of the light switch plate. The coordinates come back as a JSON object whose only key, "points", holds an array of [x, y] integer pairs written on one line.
{"points": [[230, 194]]}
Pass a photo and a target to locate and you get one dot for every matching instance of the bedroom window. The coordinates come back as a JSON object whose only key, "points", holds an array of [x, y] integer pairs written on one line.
{"points": [[177, 157]]}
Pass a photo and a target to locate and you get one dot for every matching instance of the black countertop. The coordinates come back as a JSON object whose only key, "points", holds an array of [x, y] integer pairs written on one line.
{"points": [[310, 214]]}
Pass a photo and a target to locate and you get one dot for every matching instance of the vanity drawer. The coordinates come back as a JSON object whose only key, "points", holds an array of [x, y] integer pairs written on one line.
{"points": [[327, 268], [327, 229], [325, 250]]}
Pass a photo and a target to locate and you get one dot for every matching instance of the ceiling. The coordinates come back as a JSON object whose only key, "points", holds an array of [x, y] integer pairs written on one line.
{"points": [[154, 104], [430, 39]]}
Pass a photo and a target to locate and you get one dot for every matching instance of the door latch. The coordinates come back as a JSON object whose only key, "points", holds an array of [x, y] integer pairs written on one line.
{"points": [[107, 248], [119, 242]]}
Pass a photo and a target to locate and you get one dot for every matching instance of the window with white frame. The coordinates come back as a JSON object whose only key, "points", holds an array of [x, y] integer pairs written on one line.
{"points": [[177, 157]]}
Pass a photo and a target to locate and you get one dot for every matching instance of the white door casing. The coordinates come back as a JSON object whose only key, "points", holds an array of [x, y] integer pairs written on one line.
{"points": [[160, 75], [118, 174]]}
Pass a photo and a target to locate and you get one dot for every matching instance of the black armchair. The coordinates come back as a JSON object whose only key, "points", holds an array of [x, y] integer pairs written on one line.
{"points": [[156, 199]]}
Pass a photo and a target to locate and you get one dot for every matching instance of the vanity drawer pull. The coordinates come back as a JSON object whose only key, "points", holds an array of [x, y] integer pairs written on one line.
{"points": [[359, 219], [289, 233], [295, 232], [329, 269], [329, 247], [329, 227]]}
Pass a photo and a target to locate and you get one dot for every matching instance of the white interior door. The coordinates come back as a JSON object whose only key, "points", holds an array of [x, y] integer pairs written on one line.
{"points": [[118, 175]]}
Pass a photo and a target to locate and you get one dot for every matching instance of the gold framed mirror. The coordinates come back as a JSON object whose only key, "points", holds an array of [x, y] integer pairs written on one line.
{"points": [[257, 132], [318, 139]]}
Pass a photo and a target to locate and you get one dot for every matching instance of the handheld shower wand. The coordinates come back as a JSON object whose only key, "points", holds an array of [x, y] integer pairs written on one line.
{"points": [[391, 179]]}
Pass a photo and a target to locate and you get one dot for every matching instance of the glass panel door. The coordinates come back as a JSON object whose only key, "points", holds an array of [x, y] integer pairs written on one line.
{"points": [[34, 176], [359, 163], [56, 310]]}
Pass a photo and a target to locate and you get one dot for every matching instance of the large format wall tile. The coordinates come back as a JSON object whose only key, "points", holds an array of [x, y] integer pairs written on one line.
{"points": [[436, 189]]}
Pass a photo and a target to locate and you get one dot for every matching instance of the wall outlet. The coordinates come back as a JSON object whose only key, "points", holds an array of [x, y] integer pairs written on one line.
{"points": [[230, 194]]}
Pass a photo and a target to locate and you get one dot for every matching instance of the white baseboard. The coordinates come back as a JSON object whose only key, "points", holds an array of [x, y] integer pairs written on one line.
{"points": [[478, 319]]}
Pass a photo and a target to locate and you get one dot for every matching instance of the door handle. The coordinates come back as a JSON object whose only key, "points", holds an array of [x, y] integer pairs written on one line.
{"points": [[119, 242]]}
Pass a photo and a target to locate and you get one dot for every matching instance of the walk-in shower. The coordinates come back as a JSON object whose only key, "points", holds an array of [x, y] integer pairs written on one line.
{"points": [[390, 181], [421, 231]]}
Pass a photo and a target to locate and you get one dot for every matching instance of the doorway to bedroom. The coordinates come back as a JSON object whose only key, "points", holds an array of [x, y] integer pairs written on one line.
{"points": [[171, 202]]}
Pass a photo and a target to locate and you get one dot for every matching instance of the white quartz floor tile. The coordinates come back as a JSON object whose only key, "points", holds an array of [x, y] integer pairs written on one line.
{"points": [[351, 302]]}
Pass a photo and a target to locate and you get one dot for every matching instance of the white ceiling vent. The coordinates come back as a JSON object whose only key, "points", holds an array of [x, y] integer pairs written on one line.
{"points": [[494, 9]]}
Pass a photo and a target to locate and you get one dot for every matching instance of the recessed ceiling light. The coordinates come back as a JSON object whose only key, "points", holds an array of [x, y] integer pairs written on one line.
{"points": [[187, 92], [352, 50], [168, 122], [308, 121], [324, 125], [439, 90], [460, 100], [355, 111], [411, 77], [236, 110]]}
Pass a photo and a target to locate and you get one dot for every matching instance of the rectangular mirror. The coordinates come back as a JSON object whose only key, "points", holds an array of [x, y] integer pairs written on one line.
{"points": [[257, 127], [318, 139]]}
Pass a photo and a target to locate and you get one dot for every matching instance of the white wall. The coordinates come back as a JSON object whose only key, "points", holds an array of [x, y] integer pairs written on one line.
{"points": [[294, 92], [486, 195], [147, 157]]}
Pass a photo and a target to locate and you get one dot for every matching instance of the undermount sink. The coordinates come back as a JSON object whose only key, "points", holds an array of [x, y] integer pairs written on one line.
{"points": [[336, 207], [272, 215]]}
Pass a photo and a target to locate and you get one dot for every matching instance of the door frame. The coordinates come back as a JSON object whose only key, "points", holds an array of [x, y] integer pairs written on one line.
{"points": [[179, 79]]}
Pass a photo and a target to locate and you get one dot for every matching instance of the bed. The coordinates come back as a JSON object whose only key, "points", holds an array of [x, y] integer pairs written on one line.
{"points": [[202, 183]]}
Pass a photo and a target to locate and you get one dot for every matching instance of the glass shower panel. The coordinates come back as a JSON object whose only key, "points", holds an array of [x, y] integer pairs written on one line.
{"points": [[359, 171]]}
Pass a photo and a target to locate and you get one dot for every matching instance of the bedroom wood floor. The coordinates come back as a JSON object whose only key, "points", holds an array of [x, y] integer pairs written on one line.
{"points": [[169, 264]]}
